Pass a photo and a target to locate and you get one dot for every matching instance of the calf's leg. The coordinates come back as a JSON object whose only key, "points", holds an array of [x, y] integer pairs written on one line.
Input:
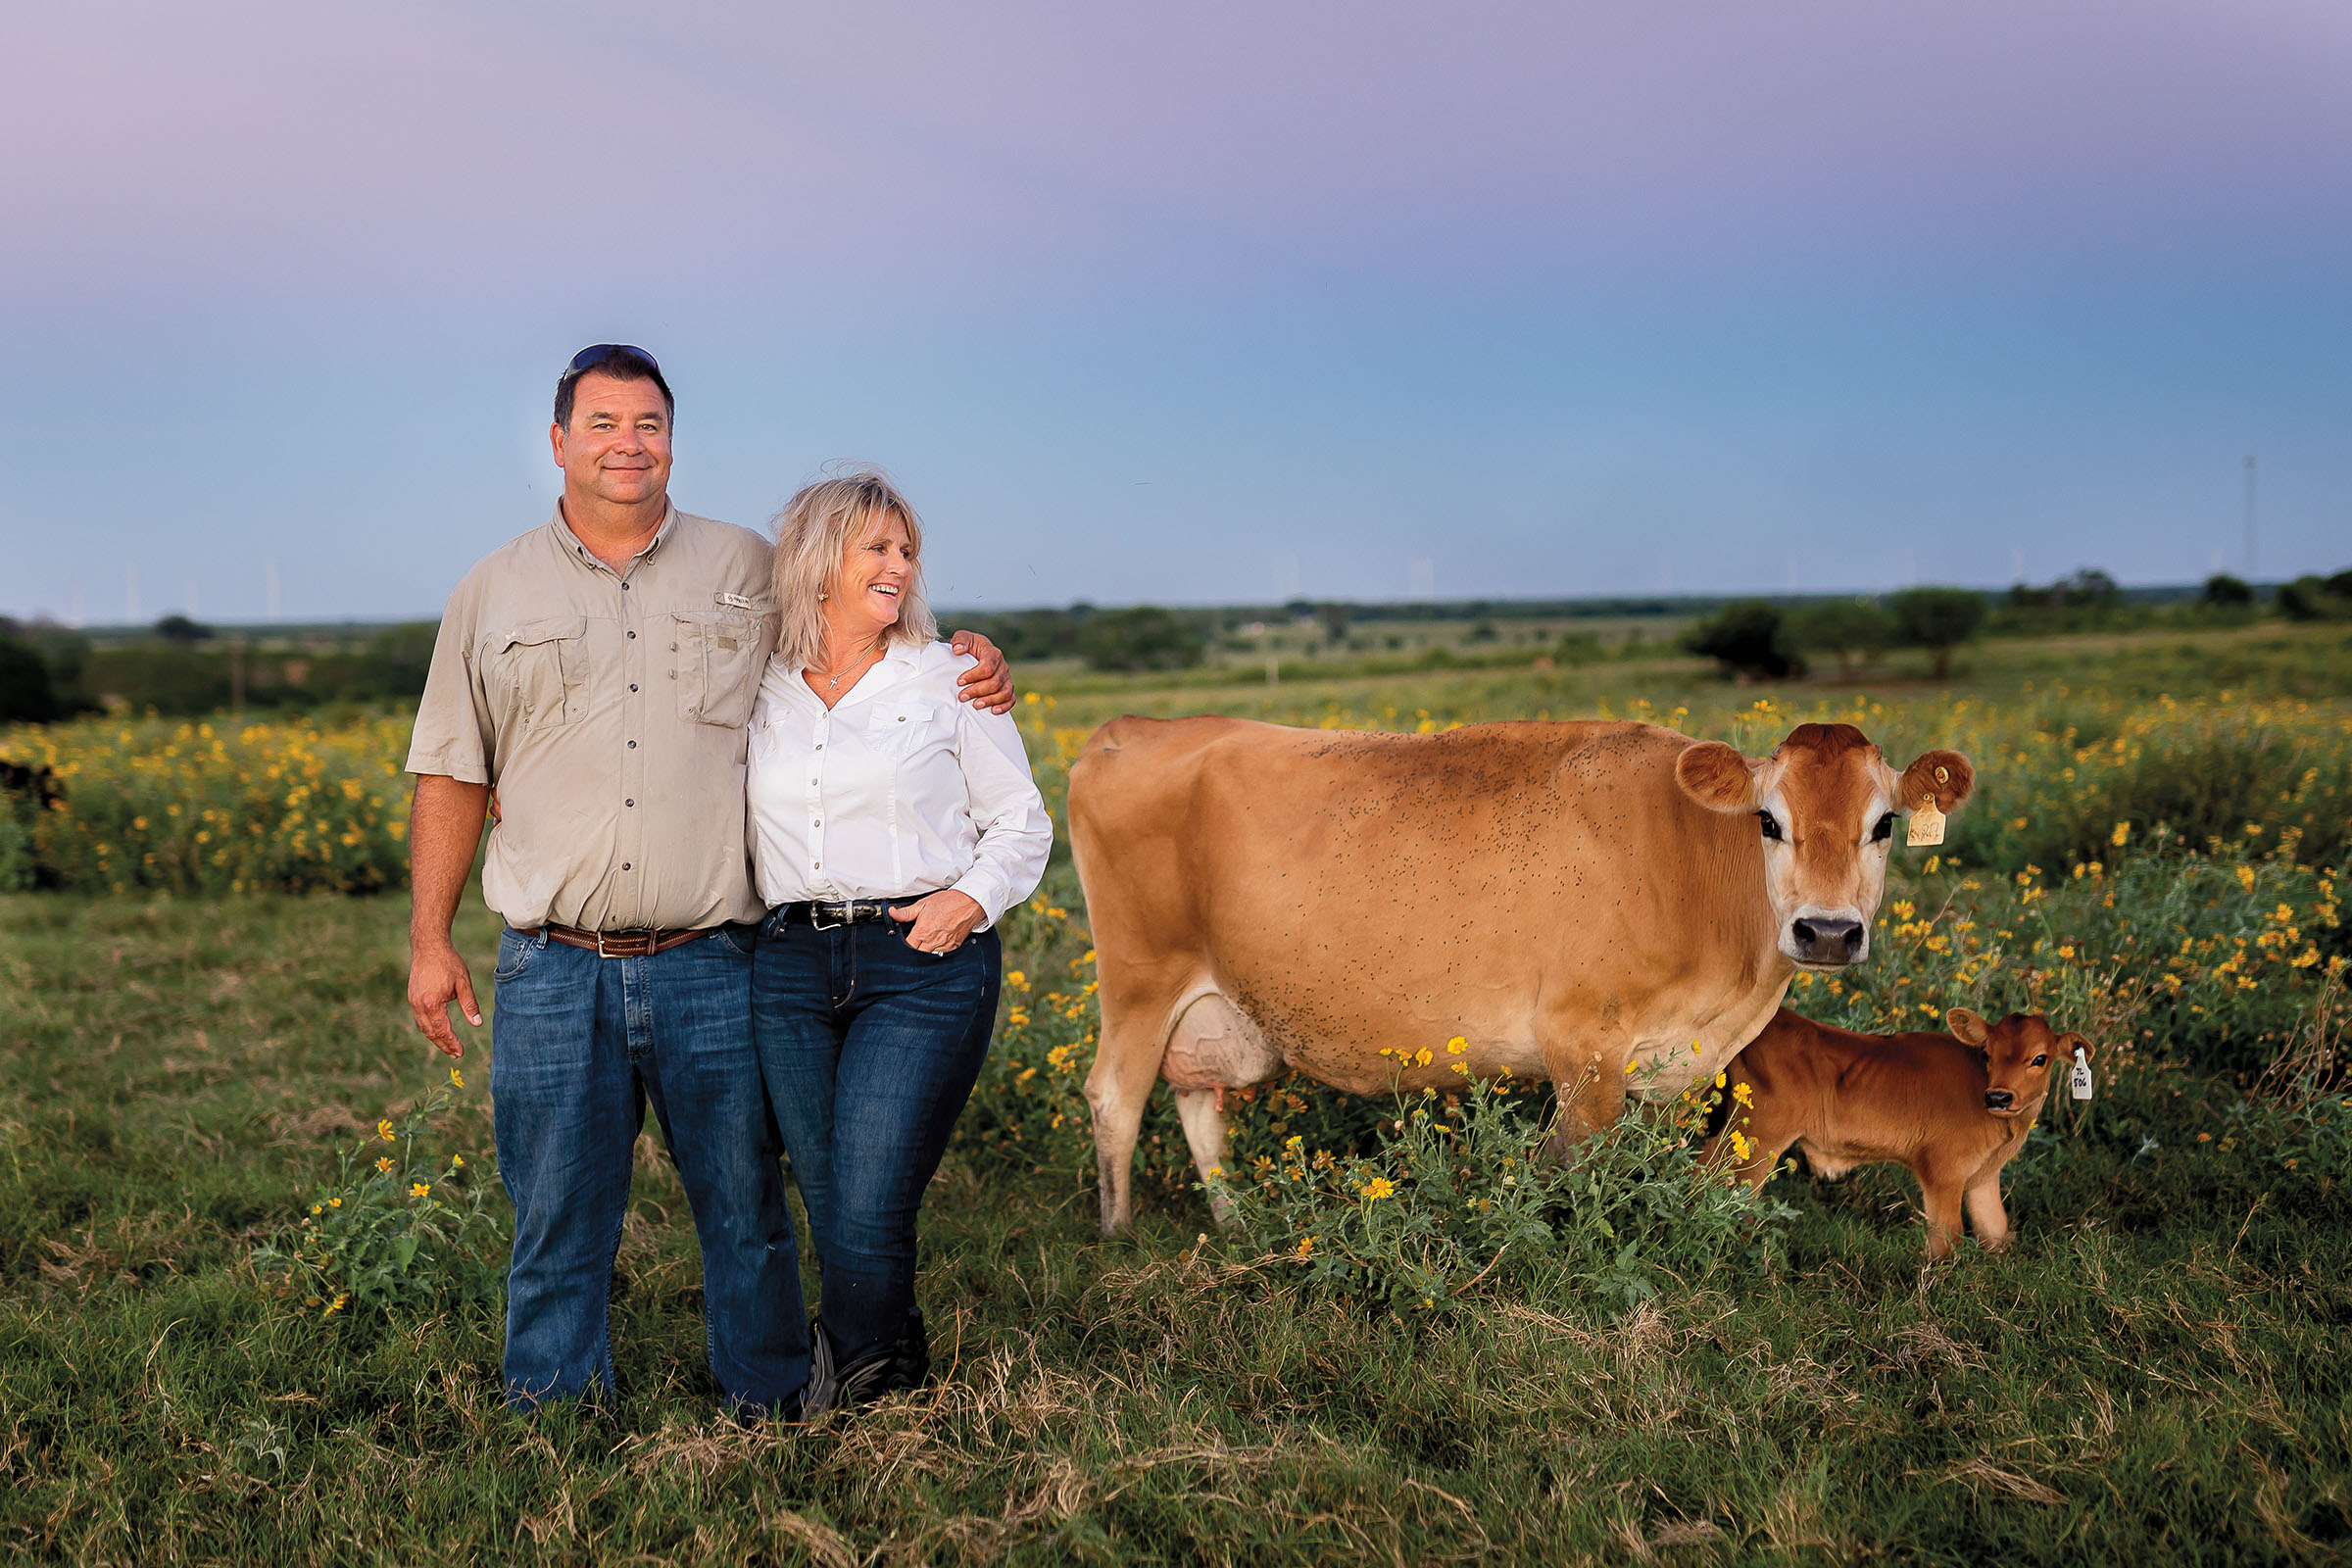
{"points": [[1985, 1213], [1942, 1194]]}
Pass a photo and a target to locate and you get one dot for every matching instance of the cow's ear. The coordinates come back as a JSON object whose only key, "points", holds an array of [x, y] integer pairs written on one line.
{"points": [[1969, 1026], [1717, 776], [2069, 1042], [1943, 777]]}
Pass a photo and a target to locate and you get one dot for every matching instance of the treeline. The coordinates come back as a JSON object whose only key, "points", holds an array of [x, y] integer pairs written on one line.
{"points": [[182, 669], [1760, 639]]}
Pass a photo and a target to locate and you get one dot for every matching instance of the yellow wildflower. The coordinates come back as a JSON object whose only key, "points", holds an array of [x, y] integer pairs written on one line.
{"points": [[2121, 835], [1744, 1095], [457, 1078], [334, 1202], [1378, 1188], [1456, 1046], [1306, 1247], [1423, 1057], [383, 1130], [419, 1190], [385, 1164]]}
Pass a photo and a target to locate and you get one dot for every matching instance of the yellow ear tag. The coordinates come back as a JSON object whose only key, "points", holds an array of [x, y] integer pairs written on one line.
{"points": [[1926, 826]]}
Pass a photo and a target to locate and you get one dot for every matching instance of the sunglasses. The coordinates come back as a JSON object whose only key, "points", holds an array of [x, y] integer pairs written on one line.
{"points": [[596, 354]]}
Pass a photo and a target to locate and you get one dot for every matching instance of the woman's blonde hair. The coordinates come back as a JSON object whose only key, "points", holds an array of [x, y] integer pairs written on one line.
{"points": [[814, 531]]}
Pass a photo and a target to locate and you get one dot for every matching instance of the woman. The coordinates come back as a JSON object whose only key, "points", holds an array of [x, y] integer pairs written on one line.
{"points": [[890, 826]]}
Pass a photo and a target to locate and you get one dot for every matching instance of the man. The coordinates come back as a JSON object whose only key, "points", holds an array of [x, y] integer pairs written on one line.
{"points": [[596, 673]]}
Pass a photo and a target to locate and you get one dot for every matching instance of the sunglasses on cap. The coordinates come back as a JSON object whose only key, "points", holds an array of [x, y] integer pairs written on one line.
{"points": [[596, 354]]}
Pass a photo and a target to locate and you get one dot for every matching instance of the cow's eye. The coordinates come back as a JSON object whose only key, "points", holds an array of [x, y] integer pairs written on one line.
{"points": [[2038, 1060], [1772, 825], [1885, 830]]}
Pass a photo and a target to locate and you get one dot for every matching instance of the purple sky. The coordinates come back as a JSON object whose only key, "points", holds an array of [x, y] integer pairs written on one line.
{"points": [[1220, 302]]}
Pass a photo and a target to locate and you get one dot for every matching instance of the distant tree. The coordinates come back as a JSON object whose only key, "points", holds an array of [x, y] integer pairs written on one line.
{"points": [[2341, 585], [1334, 616], [1748, 638], [1482, 632], [25, 693], [2090, 589], [178, 628], [2225, 591], [1939, 619], [1146, 637], [1847, 628], [2307, 599]]}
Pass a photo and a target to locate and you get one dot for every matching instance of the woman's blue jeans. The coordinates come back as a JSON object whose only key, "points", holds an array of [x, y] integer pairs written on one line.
{"points": [[871, 1049], [579, 1044]]}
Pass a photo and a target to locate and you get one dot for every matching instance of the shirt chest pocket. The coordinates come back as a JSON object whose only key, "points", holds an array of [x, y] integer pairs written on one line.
{"points": [[902, 729], [540, 670], [717, 666]]}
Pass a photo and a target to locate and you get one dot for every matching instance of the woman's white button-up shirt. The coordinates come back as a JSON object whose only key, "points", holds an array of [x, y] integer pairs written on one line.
{"points": [[899, 789]]}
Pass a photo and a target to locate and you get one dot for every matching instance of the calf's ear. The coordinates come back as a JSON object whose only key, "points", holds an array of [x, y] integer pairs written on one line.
{"points": [[2069, 1042], [1969, 1026], [1717, 776], [1943, 777]]}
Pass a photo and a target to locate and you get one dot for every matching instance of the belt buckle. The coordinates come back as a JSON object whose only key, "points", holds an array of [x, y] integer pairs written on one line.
{"points": [[817, 919], [630, 944]]}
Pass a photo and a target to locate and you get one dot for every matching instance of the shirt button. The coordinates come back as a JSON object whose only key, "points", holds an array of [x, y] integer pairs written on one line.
{"points": [[624, 587], [632, 636], [628, 803], [633, 745], [634, 684], [624, 865]]}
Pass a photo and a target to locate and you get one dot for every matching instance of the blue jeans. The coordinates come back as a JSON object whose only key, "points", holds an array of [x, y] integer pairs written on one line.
{"points": [[869, 1048], [578, 1045]]}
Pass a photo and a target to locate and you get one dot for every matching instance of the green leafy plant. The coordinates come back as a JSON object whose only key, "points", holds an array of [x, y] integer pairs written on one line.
{"points": [[397, 1230], [1453, 1197]]}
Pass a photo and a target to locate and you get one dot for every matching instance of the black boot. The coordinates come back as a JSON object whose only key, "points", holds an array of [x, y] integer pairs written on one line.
{"points": [[884, 1370]]}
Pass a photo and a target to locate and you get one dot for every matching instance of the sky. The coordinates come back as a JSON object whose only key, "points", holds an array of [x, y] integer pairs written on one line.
{"points": [[1223, 302]]}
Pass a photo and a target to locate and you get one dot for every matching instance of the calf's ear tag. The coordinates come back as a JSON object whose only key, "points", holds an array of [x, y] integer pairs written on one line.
{"points": [[1925, 827], [2078, 1082]]}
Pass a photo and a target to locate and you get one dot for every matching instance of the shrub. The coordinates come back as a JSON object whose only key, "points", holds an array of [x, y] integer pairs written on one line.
{"points": [[26, 696], [1749, 638], [396, 1231]]}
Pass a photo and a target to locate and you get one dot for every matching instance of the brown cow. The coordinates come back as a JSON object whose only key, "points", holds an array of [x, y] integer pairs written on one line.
{"points": [[1568, 898], [1953, 1111]]}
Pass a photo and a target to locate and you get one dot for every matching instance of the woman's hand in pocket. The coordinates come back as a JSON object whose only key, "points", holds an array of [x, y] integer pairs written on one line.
{"points": [[942, 920]]}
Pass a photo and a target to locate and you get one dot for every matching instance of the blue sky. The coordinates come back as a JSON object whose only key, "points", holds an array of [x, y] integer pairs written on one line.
{"points": [[1218, 302]]}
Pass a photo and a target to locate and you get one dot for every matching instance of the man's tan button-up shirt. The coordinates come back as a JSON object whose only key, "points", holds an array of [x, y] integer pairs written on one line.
{"points": [[607, 710]]}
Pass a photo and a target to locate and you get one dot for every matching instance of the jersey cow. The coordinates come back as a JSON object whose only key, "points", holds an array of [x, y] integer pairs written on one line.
{"points": [[1568, 898]]}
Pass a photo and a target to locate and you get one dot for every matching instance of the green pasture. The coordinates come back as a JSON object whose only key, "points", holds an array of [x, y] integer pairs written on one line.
{"points": [[2156, 1371]]}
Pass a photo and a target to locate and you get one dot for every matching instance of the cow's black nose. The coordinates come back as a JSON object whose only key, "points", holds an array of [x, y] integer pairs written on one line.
{"points": [[1828, 941], [1998, 1098]]}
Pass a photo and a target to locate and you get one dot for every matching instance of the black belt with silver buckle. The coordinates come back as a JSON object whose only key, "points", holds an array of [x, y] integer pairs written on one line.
{"points": [[621, 943], [831, 916]]}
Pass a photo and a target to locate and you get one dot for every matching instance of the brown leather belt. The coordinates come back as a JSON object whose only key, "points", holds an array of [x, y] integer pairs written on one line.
{"points": [[620, 944]]}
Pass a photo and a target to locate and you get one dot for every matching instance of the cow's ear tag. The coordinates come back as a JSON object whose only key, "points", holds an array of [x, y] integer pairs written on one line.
{"points": [[2078, 1082], [1926, 826]]}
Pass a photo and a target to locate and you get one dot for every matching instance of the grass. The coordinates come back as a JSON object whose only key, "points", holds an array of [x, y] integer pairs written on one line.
{"points": [[2155, 1371]]}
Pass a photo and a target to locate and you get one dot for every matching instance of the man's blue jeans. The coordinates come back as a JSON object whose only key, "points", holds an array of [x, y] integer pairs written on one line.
{"points": [[578, 1045], [871, 1049]]}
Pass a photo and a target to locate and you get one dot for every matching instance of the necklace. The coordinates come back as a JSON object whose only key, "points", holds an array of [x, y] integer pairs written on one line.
{"points": [[833, 682]]}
